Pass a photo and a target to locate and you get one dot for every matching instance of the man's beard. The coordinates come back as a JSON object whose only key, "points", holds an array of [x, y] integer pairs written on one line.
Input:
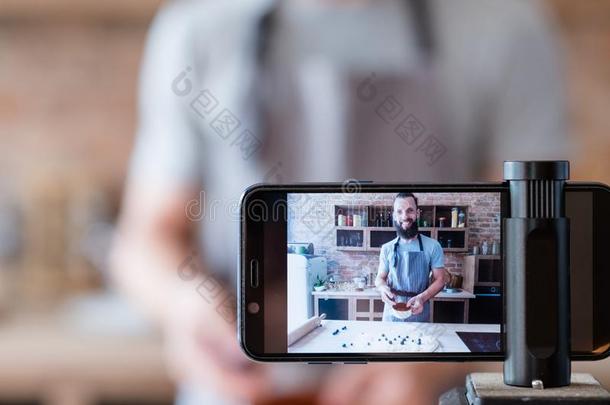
{"points": [[408, 233]]}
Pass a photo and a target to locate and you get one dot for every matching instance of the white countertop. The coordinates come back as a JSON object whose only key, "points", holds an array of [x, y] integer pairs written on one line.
{"points": [[373, 293], [322, 339]]}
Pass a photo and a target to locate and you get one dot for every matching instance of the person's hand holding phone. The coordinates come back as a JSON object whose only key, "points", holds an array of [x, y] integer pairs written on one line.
{"points": [[202, 350]]}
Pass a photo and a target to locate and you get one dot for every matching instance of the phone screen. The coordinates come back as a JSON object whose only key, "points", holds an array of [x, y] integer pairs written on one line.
{"points": [[436, 256], [330, 254]]}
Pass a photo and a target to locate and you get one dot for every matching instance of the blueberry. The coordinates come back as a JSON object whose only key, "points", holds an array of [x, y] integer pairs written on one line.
{"points": [[344, 345], [336, 332], [390, 342], [344, 328]]}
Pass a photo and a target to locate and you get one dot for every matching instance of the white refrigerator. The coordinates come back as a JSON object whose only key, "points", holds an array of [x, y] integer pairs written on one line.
{"points": [[302, 273]]}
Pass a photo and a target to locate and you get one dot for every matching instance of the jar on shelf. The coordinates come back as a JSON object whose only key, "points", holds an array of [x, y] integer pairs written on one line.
{"points": [[341, 220]]}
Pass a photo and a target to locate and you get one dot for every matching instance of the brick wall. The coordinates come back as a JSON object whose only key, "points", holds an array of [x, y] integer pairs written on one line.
{"points": [[312, 219]]}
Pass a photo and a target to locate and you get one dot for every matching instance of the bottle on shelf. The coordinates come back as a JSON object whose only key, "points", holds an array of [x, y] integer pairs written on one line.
{"points": [[484, 248], [454, 217], [461, 219], [495, 248], [389, 221]]}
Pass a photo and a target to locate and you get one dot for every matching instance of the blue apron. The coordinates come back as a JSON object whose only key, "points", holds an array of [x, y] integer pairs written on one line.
{"points": [[407, 280]]}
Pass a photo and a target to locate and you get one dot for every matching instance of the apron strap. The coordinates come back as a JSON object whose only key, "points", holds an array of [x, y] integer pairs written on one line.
{"points": [[421, 249], [396, 252]]}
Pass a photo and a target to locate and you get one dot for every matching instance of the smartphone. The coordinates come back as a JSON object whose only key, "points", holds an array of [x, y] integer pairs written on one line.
{"points": [[311, 254]]}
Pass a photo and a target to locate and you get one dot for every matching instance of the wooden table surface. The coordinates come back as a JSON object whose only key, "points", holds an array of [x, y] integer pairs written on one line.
{"points": [[45, 359]]}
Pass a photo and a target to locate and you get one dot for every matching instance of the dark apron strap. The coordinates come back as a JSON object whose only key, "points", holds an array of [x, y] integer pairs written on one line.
{"points": [[396, 252], [421, 249]]}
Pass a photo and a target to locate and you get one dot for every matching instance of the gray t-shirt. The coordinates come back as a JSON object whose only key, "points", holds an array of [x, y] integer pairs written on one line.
{"points": [[490, 92], [432, 250]]}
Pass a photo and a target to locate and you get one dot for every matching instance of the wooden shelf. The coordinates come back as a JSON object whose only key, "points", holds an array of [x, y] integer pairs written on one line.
{"points": [[427, 211], [352, 248], [351, 228]]}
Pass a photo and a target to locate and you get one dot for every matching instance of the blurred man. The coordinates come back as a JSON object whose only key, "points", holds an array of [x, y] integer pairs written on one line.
{"points": [[233, 93]]}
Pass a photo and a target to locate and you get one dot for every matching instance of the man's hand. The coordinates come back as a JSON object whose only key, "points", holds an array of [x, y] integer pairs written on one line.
{"points": [[201, 348], [386, 295], [417, 304], [388, 384]]}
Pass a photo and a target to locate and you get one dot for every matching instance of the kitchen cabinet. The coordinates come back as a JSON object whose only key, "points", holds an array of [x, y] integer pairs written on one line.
{"points": [[334, 308], [348, 305], [367, 305], [368, 309], [351, 238], [449, 310], [482, 270]]}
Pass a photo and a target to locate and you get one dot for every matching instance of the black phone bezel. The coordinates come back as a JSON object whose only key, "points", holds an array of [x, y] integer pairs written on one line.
{"points": [[250, 337]]}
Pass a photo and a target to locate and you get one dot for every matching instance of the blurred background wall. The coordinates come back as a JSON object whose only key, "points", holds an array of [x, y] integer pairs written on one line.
{"points": [[68, 78]]}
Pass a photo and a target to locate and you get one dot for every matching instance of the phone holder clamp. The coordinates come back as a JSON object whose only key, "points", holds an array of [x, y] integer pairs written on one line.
{"points": [[537, 298]]}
